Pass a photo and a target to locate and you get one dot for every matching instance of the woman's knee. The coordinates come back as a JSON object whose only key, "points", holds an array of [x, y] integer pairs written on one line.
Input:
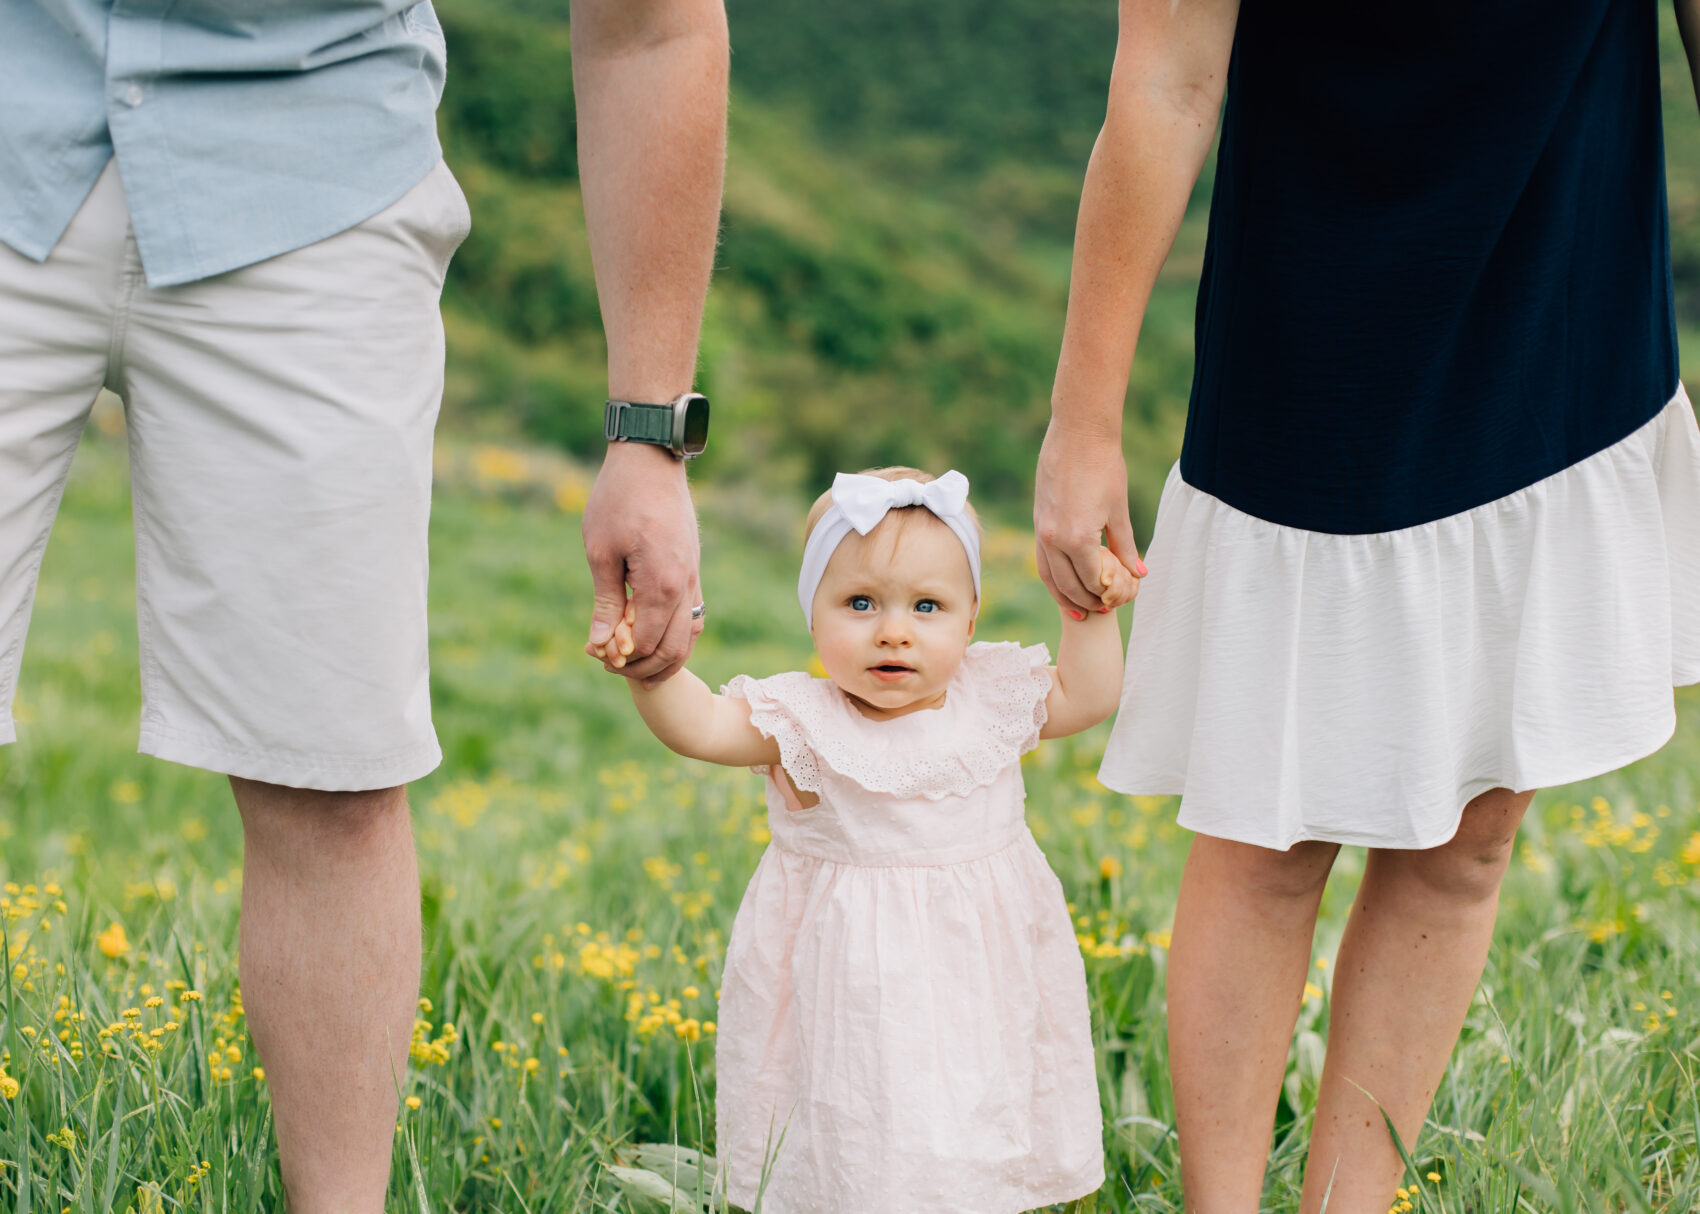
{"points": [[1296, 875], [1471, 865]]}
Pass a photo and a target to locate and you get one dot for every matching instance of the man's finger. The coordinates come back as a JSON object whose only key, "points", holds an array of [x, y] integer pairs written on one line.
{"points": [[658, 601], [609, 579], [693, 596], [669, 652]]}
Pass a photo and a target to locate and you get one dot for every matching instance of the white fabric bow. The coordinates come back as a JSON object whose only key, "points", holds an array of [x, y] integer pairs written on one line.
{"points": [[860, 502], [866, 499]]}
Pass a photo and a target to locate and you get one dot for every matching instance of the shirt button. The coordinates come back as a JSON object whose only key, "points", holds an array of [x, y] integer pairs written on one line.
{"points": [[132, 95]]}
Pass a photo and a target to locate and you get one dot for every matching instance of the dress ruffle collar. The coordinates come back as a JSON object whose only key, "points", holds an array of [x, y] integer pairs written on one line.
{"points": [[991, 716]]}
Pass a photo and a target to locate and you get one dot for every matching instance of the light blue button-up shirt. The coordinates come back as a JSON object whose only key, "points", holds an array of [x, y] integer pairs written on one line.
{"points": [[242, 128]]}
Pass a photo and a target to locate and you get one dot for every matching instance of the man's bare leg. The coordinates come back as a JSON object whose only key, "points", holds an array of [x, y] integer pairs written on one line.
{"points": [[330, 975]]}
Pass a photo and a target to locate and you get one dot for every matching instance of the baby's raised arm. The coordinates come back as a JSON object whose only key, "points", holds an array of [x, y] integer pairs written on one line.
{"points": [[1086, 683], [689, 718]]}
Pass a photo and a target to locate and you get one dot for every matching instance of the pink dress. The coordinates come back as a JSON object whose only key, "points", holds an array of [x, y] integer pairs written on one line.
{"points": [[903, 1022]]}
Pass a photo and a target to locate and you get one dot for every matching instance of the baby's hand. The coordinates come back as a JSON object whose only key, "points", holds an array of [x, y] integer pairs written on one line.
{"points": [[1117, 582], [620, 645]]}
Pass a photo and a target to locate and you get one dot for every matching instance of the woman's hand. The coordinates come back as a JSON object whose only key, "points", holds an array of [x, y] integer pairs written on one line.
{"points": [[1080, 500], [1165, 92]]}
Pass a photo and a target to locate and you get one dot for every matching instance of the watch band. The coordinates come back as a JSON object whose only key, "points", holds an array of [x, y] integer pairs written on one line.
{"points": [[634, 422]]}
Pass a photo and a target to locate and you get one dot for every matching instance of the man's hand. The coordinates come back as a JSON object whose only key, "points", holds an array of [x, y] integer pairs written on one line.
{"points": [[650, 81], [1080, 495], [640, 530]]}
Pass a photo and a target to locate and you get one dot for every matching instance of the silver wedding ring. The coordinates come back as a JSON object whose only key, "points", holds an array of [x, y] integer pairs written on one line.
{"points": [[700, 610]]}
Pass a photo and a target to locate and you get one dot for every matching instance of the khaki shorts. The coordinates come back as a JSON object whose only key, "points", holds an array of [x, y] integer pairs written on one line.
{"points": [[280, 420]]}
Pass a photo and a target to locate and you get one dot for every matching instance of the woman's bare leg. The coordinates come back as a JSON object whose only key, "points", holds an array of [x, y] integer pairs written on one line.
{"points": [[1237, 965], [1409, 963]]}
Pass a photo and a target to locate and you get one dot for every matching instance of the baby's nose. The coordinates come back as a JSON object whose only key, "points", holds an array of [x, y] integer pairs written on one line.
{"points": [[894, 630]]}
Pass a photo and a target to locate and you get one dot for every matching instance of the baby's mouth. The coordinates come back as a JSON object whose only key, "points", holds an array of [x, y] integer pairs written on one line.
{"points": [[891, 671]]}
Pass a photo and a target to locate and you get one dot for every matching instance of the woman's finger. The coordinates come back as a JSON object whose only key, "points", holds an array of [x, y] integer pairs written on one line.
{"points": [[1068, 586], [1118, 537]]}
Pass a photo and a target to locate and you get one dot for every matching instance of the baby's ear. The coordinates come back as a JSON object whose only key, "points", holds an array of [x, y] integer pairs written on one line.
{"points": [[974, 618]]}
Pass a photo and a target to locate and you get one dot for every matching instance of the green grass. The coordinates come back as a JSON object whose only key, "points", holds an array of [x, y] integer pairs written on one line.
{"points": [[571, 867]]}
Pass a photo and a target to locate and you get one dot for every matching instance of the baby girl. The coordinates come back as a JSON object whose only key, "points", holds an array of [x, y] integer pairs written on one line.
{"points": [[903, 1022]]}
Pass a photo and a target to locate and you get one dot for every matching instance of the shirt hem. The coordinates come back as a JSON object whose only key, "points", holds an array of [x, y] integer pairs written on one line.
{"points": [[175, 272]]}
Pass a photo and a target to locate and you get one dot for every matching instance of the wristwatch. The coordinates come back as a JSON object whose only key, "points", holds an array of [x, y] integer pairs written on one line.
{"points": [[680, 425]]}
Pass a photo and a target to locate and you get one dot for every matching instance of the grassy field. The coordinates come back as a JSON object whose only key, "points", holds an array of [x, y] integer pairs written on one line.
{"points": [[579, 883]]}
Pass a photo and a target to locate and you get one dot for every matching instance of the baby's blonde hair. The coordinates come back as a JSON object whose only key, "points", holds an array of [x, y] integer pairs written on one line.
{"points": [[823, 503]]}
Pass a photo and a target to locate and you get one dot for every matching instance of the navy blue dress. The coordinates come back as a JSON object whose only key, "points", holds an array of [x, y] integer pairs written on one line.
{"points": [[1435, 528], [1439, 263]]}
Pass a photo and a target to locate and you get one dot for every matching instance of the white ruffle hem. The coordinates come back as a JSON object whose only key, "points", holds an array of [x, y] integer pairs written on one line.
{"points": [[1295, 685]]}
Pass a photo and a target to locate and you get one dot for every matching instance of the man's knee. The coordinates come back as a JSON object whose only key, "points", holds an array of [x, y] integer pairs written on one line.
{"points": [[303, 821]]}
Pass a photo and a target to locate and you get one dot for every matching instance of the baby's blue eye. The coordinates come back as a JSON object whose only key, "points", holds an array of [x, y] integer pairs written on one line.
{"points": [[927, 605], [861, 602]]}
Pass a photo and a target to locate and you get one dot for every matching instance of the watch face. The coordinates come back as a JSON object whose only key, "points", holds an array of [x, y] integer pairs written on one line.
{"points": [[696, 425]]}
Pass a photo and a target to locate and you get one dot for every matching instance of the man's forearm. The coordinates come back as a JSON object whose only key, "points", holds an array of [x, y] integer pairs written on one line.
{"points": [[650, 80]]}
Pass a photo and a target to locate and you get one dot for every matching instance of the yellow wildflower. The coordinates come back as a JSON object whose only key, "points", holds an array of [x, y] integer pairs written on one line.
{"points": [[113, 942]]}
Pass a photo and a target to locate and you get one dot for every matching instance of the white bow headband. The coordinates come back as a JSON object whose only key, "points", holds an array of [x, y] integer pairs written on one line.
{"points": [[860, 502]]}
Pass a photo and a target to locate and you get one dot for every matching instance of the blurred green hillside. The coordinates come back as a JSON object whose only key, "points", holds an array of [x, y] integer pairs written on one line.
{"points": [[894, 261]]}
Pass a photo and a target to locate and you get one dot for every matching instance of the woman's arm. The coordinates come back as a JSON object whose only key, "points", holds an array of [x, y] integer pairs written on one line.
{"points": [[1165, 94], [1688, 23]]}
